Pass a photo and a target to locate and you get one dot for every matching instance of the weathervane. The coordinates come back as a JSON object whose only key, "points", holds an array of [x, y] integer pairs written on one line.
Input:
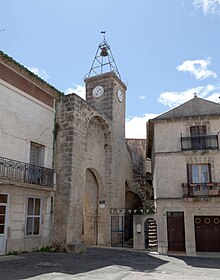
{"points": [[103, 61], [103, 32]]}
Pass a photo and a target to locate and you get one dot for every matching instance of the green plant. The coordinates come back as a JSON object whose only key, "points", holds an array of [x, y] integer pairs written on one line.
{"points": [[44, 249]]}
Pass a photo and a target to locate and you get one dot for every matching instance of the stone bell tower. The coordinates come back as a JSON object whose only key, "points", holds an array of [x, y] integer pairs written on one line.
{"points": [[92, 159], [105, 90]]}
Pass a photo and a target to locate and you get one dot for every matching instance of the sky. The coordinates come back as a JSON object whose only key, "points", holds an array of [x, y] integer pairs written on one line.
{"points": [[165, 50]]}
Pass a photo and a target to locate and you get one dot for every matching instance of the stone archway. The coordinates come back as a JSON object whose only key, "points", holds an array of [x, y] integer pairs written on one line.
{"points": [[132, 203], [90, 209]]}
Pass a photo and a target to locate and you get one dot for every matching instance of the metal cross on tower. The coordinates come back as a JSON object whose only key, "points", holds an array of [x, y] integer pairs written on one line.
{"points": [[103, 61]]}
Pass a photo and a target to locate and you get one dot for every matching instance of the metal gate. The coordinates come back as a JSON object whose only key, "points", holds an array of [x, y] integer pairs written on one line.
{"points": [[122, 231]]}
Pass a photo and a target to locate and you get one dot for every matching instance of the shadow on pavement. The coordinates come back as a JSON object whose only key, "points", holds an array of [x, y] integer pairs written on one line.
{"points": [[200, 262], [38, 264]]}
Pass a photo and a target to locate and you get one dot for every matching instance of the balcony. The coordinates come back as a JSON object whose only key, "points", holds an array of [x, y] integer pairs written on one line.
{"points": [[201, 189], [205, 142], [26, 173]]}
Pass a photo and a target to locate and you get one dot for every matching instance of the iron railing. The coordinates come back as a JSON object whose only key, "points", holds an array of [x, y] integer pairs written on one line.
{"points": [[24, 172], [205, 142], [201, 189]]}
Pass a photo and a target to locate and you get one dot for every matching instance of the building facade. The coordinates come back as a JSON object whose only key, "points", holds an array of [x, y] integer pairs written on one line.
{"points": [[101, 178], [27, 111], [183, 145]]}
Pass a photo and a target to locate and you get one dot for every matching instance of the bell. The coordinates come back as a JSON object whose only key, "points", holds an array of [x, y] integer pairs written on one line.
{"points": [[104, 52]]}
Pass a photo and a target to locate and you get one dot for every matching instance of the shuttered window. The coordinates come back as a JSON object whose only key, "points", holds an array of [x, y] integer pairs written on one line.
{"points": [[199, 173], [197, 137], [37, 154]]}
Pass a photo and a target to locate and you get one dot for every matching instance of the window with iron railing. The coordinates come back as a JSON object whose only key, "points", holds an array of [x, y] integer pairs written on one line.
{"points": [[28, 173], [199, 140], [200, 181]]}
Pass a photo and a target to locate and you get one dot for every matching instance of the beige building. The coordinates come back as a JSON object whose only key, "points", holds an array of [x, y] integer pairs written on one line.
{"points": [[183, 145], [27, 111]]}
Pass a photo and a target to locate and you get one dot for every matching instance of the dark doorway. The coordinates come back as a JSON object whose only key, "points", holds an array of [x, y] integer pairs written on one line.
{"points": [[207, 233], [176, 231], [132, 204]]}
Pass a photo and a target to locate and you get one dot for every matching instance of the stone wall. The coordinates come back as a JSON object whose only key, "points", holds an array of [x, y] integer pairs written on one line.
{"points": [[87, 140]]}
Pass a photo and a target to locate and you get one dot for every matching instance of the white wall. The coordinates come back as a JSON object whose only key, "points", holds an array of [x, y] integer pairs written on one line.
{"points": [[167, 136], [169, 174], [16, 218], [24, 119]]}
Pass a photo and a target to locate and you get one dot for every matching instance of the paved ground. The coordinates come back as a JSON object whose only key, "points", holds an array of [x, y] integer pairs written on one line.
{"points": [[109, 264]]}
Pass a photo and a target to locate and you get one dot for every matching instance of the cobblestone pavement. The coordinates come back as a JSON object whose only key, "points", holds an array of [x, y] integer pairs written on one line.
{"points": [[109, 264]]}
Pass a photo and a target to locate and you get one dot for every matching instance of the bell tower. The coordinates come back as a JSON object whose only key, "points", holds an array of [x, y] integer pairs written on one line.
{"points": [[105, 90]]}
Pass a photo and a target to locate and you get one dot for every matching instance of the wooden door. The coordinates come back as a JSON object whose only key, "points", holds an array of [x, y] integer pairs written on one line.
{"points": [[176, 231], [207, 233]]}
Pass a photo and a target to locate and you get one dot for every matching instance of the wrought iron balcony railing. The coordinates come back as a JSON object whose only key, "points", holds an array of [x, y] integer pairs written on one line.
{"points": [[206, 142], [201, 189], [24, 172]]}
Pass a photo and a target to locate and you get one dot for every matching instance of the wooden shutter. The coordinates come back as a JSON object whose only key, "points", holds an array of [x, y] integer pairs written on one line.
{"points": [[210, 172], [189, 173]]}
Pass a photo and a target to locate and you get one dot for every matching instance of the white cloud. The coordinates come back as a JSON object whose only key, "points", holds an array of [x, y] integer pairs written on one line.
{"points": [[135, 127], [39, 72], [208, 6], [197, 68], [77, 89], [141, 97], [174, 98]]}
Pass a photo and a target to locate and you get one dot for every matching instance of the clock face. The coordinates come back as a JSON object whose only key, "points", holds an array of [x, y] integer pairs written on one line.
{"points": [[119, 95], [98, 91]]}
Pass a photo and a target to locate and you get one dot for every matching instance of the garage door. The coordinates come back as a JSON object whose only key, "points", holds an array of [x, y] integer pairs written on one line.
{"points": [[207, 231]]}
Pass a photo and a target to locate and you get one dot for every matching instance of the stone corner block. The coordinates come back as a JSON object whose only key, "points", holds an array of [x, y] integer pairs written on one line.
{"points": [[76, 248]]}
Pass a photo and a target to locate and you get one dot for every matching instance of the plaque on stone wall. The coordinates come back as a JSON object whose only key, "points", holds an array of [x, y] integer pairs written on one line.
{"points": [[101, 203]]}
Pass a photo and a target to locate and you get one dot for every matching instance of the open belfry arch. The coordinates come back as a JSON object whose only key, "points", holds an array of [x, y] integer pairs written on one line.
{"points": [[92, 159]]}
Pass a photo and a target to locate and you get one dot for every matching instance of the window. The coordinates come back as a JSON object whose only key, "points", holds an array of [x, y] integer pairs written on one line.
{"points": [[199, 173], [33, 216], [37, 154], [35, 172], [198, 137]]}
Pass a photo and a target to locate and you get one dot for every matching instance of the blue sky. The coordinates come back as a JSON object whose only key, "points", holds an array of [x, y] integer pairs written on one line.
{"points": [[165, 50]]}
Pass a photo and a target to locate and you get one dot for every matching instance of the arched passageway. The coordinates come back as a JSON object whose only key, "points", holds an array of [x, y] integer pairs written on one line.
{"points": [[90, 210], [132, 204]]}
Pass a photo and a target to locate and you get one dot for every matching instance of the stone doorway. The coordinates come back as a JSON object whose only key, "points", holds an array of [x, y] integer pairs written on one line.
{"points": [[150, 230], [90, 210]]}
